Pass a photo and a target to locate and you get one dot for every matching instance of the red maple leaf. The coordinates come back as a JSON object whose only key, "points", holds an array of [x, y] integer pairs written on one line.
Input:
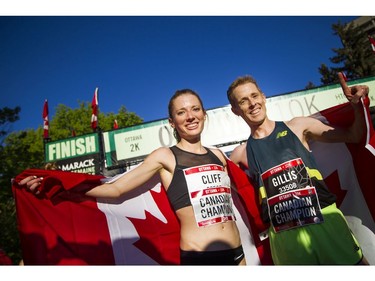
{"points": [[159, 240]]}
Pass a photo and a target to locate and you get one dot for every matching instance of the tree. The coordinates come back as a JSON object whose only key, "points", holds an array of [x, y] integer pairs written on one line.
{"points": [[8, 233], [355, 58], [310, 85], [67, 119], [25, 149], [7, 116]]}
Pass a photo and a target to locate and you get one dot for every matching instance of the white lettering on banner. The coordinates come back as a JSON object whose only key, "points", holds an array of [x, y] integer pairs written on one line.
{"points": [[89, 170], [164, 133], [140, 142], [78, 165], [210, 194], [300, 106], [71, 148], [305, 103]]}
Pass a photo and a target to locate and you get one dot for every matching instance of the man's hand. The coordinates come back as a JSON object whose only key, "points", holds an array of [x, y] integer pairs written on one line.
{"points": [[354, 93]]}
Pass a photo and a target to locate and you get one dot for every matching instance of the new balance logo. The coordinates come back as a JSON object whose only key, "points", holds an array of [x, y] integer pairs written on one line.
{"points": [[281, 134]]}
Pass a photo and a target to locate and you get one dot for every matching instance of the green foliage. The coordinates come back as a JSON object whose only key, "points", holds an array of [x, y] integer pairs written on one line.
{"points": [[67, 120], [25, 149], [7, 116], [8, 233], [310, 85], [355, 58]]}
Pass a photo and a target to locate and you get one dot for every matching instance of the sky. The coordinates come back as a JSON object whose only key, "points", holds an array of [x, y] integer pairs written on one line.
{"points": [[139, 61]]}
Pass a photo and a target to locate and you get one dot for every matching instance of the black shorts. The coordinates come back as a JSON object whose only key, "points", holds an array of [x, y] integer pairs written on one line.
{"points": [[223, 257]]}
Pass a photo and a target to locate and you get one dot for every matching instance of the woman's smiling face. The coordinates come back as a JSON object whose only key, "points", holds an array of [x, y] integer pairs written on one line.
{"points": [[188, 116]]}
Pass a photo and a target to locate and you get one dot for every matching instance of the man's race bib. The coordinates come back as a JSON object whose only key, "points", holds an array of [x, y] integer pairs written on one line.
{"points": [[210, 194], [292, 200]]}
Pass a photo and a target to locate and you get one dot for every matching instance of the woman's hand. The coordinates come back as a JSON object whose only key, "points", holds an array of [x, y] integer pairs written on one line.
{"points": [[31, 183]]}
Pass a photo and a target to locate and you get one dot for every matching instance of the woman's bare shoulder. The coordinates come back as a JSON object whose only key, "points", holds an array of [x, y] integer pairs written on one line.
{"points": [[219, 153], [161, 152]]}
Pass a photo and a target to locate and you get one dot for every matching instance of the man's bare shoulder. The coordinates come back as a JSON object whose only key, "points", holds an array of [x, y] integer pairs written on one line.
{"points": [[303, 124], [240, 148], [238, 155]]}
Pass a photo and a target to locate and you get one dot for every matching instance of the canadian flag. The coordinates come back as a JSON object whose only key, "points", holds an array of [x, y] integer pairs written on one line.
{"points": [[68, 229], [94, 106], [339, 160], [140, 228], [45, 120], [348, 171]]}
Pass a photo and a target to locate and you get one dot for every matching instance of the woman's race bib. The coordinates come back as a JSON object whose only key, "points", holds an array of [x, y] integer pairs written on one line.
{"points": [[210, 194]]}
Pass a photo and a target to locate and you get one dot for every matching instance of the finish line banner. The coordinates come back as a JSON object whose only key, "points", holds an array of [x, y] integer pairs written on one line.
{"points": [[77, 154]]}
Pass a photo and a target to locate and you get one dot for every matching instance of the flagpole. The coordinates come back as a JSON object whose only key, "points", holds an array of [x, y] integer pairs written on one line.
{"points": [[95, 110], [46, 137], [372, 43], [45, 120], [96, 128]]}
